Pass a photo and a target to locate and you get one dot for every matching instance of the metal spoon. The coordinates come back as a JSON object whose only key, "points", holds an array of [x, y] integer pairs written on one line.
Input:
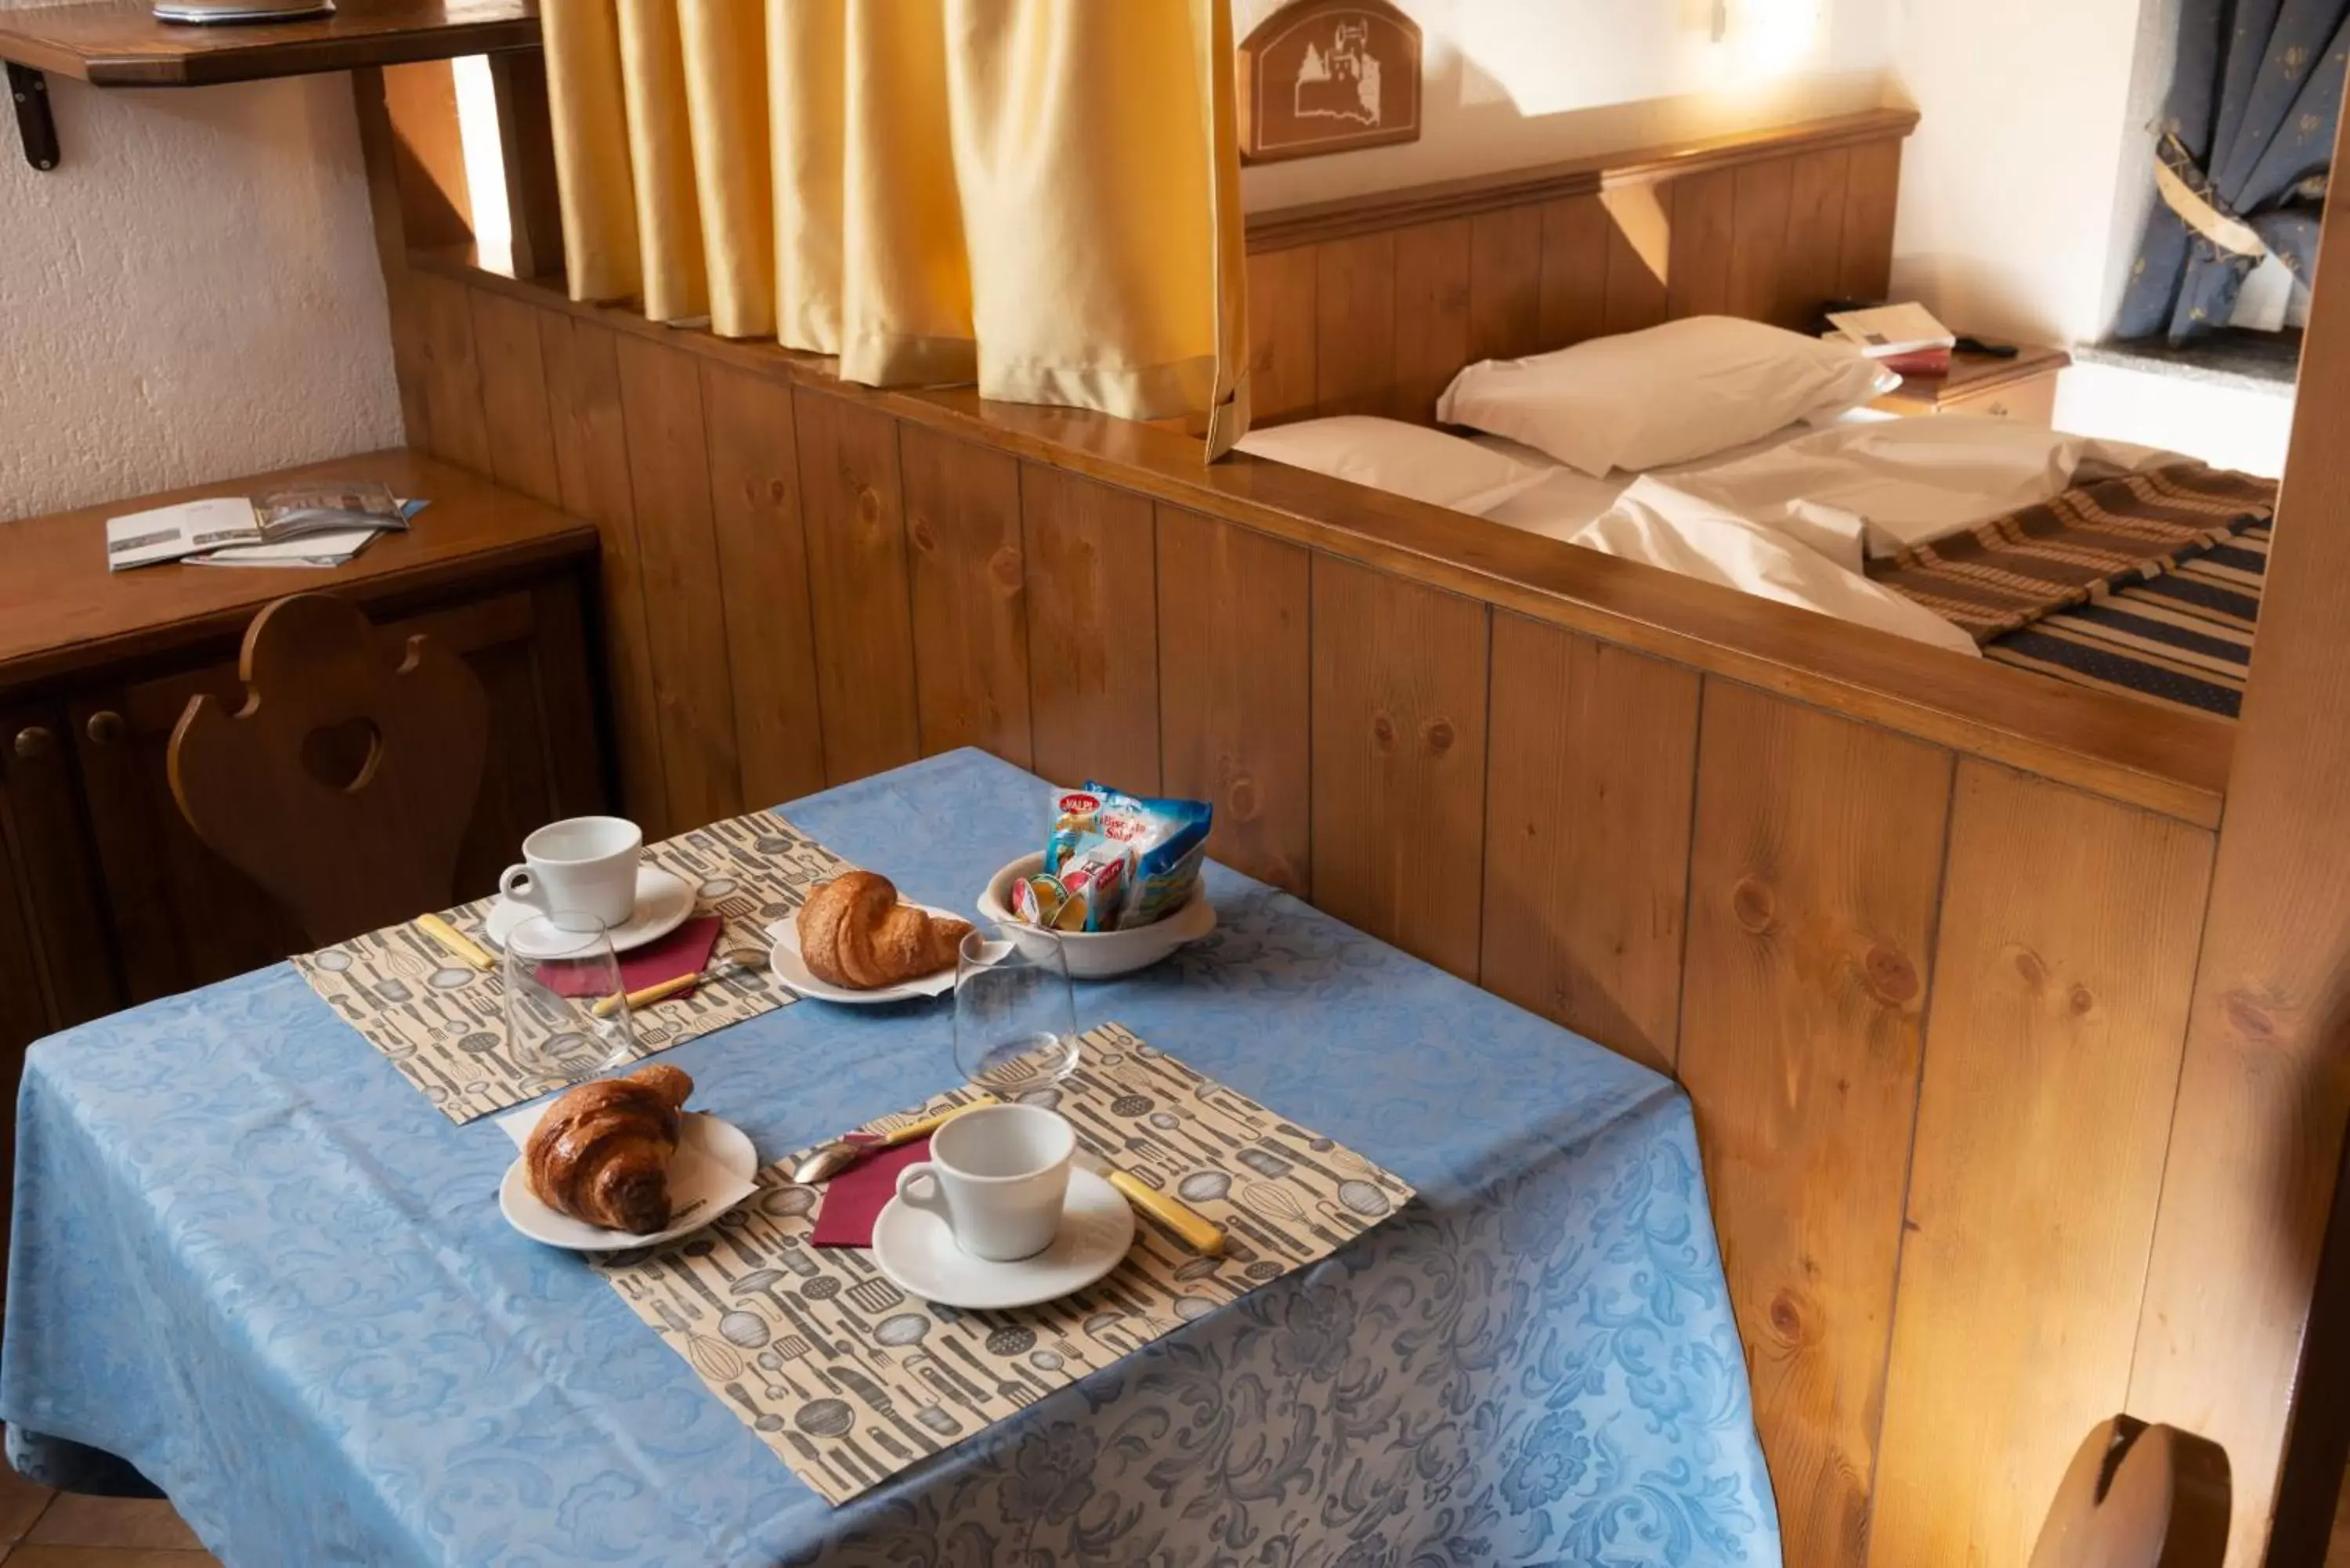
{"points": [[827, 1160]]}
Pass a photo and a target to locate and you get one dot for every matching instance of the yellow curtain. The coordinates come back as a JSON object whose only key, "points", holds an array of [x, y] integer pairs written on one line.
{"points": [[1041, 196]]}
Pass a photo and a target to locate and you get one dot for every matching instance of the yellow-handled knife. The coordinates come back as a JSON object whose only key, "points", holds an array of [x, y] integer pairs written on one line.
{"points": [[728, 964], [1195, 1229], [454, 943]]}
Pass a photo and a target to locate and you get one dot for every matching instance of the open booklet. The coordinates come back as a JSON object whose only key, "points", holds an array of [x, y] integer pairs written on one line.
{"points": [[313, 525]]}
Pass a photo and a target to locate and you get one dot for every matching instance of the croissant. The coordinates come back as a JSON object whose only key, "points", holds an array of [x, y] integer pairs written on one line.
{"points": [[601, 1152], [855, 932]]}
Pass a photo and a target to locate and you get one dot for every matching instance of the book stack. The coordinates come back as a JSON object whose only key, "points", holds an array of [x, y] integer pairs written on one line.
{"points": [[1906, 338], [315, 526]]}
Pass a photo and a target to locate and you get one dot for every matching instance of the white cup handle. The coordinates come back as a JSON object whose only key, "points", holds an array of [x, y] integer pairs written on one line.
{"points": [[935, 1203], [519, 887]]}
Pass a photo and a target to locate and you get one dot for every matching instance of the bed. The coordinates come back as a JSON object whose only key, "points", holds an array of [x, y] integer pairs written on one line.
{"points": [[2115, 567]]}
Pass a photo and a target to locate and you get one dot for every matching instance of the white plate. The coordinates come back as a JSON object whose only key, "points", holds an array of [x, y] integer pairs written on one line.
{"points": [[720, 1143], [664, 903], [916, 1251], [793, 970], [1099, 955]]}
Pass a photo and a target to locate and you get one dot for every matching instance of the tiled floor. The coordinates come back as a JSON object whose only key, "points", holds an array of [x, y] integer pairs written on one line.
{"points": [[43, 1529]]}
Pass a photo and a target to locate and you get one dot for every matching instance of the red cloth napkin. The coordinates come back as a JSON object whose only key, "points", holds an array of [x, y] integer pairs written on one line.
{"points": [[685, 950], [854, 1199]]}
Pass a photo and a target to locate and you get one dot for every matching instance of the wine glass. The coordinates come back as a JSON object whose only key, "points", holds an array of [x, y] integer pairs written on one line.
{"points": [[567, 1008], [1016, 1018]]}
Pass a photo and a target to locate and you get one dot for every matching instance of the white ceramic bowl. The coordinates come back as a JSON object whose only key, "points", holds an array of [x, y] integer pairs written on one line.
{"points": [[1098, 955]]}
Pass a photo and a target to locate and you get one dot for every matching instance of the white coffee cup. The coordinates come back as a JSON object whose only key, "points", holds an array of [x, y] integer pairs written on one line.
{"points": [[581, 872], [999, 1177]]}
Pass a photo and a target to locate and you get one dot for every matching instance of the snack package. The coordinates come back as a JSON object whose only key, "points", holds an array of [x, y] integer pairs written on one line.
{"points": [[1115, 860]]}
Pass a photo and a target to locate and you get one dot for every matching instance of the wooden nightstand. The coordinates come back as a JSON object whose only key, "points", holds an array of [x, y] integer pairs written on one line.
{"points": [[2023, 389]]}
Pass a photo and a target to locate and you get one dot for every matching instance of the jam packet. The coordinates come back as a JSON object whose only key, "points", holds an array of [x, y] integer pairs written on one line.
{"points": [[1115, 860]]}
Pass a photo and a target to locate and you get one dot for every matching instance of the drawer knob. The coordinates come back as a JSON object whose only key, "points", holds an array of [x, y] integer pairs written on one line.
{"points": [[34, 740], [105, 727]]}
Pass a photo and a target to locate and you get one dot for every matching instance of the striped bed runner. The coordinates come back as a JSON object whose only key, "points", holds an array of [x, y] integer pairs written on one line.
{"points": [[2148, 584], [2183, 638]]}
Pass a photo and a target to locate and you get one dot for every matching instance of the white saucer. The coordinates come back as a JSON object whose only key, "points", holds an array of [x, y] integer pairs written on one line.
{"points": [[917, 1252], [793, 970], [664, 903], [720, 1142]]}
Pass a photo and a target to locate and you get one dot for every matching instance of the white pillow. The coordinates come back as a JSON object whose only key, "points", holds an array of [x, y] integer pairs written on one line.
{"points": [[1670, 394], [1402, 459]]}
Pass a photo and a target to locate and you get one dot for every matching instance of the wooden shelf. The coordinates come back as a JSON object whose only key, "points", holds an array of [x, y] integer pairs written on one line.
{"points": [[118, 42]]}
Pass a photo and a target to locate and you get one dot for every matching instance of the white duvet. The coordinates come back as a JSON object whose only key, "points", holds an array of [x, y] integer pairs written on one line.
{"points": [[1794, 523]]}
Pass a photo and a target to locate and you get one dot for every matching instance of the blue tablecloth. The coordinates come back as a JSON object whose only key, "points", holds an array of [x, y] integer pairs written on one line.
{"points": [[254, 1262]]}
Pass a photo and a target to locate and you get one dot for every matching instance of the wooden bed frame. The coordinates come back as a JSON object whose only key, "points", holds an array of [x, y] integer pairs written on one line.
{"points": [[1920, 937]]}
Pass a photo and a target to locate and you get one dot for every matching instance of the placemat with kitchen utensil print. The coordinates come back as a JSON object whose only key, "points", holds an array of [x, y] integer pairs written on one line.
{"points": [[442, 1022], [849, 1381]]}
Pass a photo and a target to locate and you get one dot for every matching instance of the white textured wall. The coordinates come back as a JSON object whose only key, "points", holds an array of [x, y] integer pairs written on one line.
{"points": [[1510, 83], [192, 294], [2010, 187]]}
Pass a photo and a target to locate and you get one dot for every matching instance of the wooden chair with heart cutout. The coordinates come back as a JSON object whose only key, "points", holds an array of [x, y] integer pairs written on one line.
{"points": [[344, 785], [2138, 1496]]}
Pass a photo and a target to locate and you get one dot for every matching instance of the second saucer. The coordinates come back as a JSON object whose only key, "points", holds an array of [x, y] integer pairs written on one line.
{"points": [[664, 901]]}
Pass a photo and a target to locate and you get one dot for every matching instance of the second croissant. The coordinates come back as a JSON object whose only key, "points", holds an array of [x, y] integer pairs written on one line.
{"points": [[855, 932]]}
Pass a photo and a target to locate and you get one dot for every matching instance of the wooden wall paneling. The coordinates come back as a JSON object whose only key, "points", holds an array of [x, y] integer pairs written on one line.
{"points": [[562, 691], [677, 554], [2069, 926], [755, 500], [1355, 324], [1704, 235], [1764, 197], [2256, 1147], [854, 513], [970, 634], [1399, 767], [591, 464], [1576, 238], [513, 396], [1815, 247], [1282, 331], [1235, 690], [1093, 630], [1814, 878], [1639, 254], [1505, 276], [451, 372], [1865, 264], [1431, 315], [1591, 764]]}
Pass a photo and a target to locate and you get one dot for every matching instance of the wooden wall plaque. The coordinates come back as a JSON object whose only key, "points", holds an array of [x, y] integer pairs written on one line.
{"points": [[1329, 76]]}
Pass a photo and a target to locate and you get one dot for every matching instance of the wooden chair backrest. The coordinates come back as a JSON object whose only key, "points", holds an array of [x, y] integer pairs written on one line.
{"points": [[344, 785], [2137, 1496]]}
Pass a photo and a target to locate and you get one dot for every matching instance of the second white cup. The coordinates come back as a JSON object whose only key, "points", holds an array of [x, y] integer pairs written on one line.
{"points": [[999, 1177], [581, 872]]}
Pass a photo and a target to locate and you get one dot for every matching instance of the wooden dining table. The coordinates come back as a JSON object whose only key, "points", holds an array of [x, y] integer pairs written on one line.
{"points": [[254, 1266]]}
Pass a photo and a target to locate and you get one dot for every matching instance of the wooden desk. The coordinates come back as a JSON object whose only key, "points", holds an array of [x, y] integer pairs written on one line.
{"points": [[106, 896], [2023, 389]]}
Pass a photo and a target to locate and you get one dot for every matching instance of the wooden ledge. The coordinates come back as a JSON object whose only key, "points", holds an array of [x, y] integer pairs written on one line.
{"points": [[1311, 224], [118, 42], [2172, 763]]}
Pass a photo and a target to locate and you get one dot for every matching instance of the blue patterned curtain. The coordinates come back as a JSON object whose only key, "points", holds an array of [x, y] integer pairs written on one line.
{"points": [[2248, 133]]}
